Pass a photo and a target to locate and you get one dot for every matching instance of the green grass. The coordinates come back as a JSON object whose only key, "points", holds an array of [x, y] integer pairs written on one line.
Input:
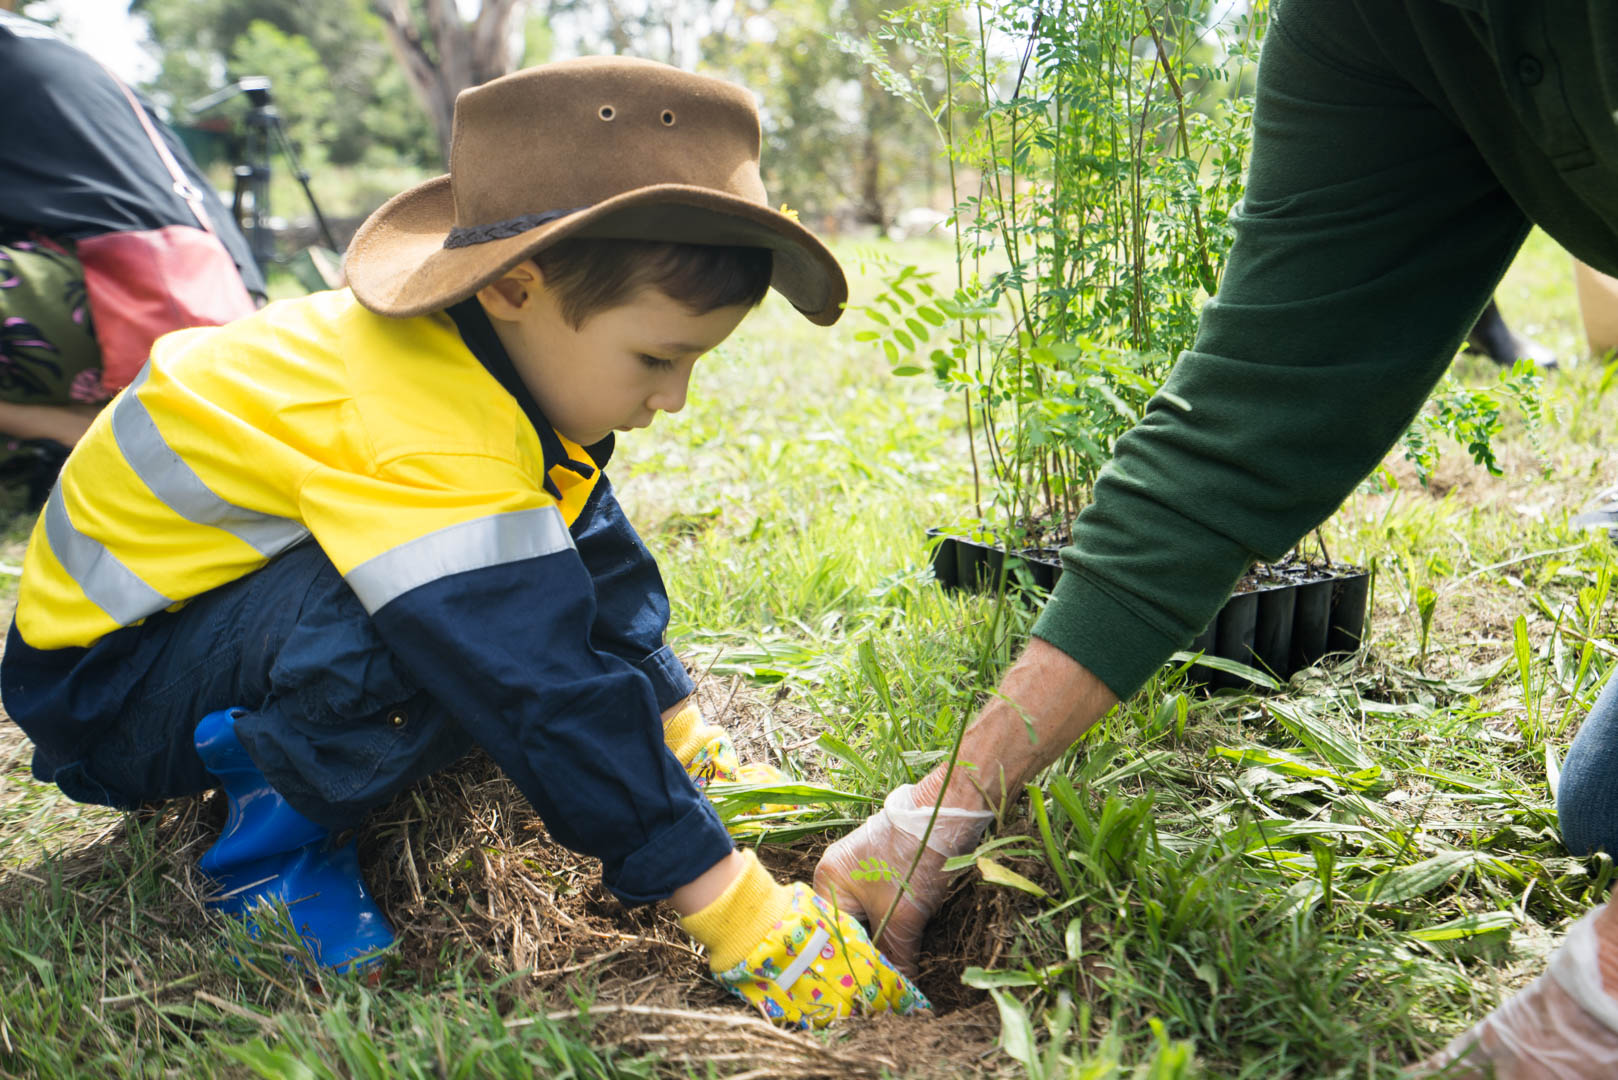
{"points": [[1322, 882], [1326, 881]]}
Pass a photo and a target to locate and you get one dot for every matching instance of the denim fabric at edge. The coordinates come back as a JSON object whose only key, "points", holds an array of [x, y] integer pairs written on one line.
{"points": [[1587, 794]]}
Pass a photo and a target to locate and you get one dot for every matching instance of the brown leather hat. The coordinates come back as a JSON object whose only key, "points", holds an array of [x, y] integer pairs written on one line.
{"points": [[599, 146]]}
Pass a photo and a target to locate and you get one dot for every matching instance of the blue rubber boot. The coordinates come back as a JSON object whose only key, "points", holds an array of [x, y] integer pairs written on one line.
{"points": [[268, 851]]}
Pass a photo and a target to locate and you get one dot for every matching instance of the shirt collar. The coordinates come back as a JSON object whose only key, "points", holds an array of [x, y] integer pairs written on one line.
{"points": [[478, 333]]}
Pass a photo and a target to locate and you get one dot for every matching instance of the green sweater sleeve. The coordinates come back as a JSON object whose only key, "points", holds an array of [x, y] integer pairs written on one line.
{"points": [[1371, 236]]}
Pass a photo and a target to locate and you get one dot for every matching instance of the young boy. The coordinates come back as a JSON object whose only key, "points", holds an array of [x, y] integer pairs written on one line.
{"points": [[319, 553]]}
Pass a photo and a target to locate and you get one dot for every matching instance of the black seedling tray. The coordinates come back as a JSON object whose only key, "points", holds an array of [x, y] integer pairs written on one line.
{"points": [[1285, 618]]}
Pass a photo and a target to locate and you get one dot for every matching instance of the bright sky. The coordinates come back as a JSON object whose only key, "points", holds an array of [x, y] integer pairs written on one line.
{"points": [[105, 30]]}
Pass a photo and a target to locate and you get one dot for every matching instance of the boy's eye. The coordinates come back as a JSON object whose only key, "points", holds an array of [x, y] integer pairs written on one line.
{"points": [[656, 362]]}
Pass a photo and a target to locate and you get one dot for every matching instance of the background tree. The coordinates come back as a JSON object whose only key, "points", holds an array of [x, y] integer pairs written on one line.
{"points": [[836, 143], [369, 85], [344, 98], [443, 53]]}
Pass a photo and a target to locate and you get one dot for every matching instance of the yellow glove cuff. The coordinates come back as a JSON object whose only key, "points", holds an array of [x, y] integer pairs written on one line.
{"points": [[734, 924], [685, 733]]}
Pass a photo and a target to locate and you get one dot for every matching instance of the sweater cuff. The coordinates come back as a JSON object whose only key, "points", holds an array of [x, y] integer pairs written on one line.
{"points": [[1097, 630], [733, 925]]}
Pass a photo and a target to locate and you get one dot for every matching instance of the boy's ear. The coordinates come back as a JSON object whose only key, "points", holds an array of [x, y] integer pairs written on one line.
{"points": [[506, 296]]}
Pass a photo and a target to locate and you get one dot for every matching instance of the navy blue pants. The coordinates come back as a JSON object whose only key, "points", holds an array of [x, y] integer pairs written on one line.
{"points": [[1587, 795], [336, 726]]}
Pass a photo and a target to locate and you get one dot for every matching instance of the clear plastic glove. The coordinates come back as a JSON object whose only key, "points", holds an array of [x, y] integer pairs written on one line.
{"points": [[1564, 1025], [793, 957], [862, 871]]}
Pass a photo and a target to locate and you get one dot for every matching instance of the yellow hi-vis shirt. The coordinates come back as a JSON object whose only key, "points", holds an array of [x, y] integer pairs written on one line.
{"points": [[385, 440]]}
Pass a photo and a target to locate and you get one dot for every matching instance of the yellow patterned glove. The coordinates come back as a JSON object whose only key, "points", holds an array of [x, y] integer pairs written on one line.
{"points": [[705, 750], [708, 754], [787, 953]]}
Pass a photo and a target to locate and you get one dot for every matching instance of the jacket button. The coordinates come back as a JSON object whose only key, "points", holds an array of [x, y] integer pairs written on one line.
{"points": [[1529, 70], [396, 718]]}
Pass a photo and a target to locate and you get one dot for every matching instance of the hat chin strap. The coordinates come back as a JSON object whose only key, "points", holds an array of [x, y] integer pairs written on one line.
{"points": [[470, 235]]}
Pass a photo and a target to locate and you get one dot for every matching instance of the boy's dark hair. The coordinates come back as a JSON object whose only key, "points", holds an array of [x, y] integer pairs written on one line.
{"points": [[591, 275]]}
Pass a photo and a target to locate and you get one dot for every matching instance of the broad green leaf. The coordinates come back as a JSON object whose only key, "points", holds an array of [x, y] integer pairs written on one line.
{"points": [[1408, 882], [982, 979], [1073, 940], [1016, 1033], [1229, 667], [276, 1064], [1524, 653], [996, 874], [847, 754], [47, 972], [1313, 730], [961, 862], [1488, 922]]}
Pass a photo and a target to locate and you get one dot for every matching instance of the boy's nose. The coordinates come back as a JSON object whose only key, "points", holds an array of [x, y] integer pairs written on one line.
{"points": [[670, 397]]}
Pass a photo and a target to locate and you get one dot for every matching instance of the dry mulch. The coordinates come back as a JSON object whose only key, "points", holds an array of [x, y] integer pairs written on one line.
{"points": [[464, 868]]}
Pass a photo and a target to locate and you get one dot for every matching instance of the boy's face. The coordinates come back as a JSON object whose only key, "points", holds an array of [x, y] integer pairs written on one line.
{"points": [[619, 370]]}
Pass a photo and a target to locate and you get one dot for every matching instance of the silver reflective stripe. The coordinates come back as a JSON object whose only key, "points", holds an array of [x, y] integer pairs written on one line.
{"points": [[470, 545], [809, 954], [181, 489], [106, 582]]}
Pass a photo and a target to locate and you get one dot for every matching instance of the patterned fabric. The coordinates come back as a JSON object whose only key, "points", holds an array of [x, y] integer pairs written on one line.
{"points": [[817, 965], [709, 754], [715, 759], [48, 351]]}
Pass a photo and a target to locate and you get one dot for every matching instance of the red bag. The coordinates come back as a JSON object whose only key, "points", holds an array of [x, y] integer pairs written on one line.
{"points": [[142, 285]]}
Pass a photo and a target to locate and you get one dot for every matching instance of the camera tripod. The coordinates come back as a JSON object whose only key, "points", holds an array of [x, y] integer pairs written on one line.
{"points": [[263, 135]]}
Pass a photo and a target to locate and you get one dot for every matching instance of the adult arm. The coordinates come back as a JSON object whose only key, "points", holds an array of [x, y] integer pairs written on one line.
{"points": [[1371, 235]]}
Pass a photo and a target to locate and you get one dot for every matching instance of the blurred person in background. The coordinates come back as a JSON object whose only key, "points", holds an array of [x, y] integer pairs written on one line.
{"points": [[110, 237]]}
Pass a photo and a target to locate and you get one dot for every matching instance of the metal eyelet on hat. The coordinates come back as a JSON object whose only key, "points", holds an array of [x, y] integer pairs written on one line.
{"points": [[607, 112], [668, 117]]}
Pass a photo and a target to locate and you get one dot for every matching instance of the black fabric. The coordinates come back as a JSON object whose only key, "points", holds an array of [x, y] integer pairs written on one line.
{"points": [[74, 158], [470, 235]]}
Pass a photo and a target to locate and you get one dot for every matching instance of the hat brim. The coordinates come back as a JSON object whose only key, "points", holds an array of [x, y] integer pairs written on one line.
{"points": [[398, 265]]}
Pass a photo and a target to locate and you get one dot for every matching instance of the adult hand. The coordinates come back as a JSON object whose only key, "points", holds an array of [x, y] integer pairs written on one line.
{"points": [[1564, 1024], [865, 870], [1045, 701]]}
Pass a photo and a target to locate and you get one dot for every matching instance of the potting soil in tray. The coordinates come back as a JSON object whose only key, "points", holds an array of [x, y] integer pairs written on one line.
{"points": [[1281, 617]]}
